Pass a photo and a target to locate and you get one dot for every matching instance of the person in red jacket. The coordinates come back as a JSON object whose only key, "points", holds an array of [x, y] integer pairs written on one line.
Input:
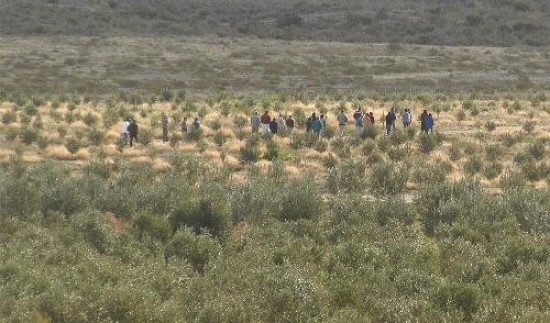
{"points": [[265, 119]]}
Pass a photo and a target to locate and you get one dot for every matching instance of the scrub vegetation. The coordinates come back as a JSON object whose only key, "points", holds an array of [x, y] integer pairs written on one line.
{"points": [[448, 226]]}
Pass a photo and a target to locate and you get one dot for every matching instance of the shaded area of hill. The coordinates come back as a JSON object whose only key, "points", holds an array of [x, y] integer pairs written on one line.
{"points": [[468, 22]]}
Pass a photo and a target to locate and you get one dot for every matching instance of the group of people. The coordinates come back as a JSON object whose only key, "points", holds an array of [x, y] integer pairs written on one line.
{"points": [[314, 123], [183, 127], [426, 122], [129, 131], [362, 120], [269, 124]]}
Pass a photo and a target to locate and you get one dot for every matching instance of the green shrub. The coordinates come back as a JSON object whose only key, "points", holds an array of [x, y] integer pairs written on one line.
{"points": [[90, 119], [197, 250], [388, 179], [28, 136], [73, 145], [349, 176], [492, 170], [9, 117], [96, 136], [528, 126], [194, 134], [473, 165], [537, 150], [300, 199], [153, 226], [490, 125], [428, 142], [201, 216]]}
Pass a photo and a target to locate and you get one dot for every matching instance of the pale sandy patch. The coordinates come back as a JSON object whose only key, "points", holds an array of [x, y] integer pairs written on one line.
{"points": [[291, 171], [58, 152], [31, 157], [5, 153], [160, 165], [142, 160]]}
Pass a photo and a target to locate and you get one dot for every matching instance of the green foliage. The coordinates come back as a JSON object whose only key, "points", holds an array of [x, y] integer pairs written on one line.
{"points": [[73, 145], [197, 250], [300, 199], [388, 178], [202, 216], [428, 142]]}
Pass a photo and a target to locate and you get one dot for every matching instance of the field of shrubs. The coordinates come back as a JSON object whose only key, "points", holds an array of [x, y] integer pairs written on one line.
{"points": [[221, 225]]}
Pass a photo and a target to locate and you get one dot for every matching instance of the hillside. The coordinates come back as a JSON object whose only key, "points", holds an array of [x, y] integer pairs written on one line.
{"points": [[469, 22]]}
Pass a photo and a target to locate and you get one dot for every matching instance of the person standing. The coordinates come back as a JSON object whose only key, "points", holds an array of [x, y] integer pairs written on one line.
{"points": [[406, 118], [423, 119], [280, 123], [273, 126], [316, 126], [390, 121], [429, 123], [133, 131], [265, 120], [342, 121], [196, 123], [358, 117], [255, 122], [164, 127], [289, 124], [125, 135], [184, 127]]}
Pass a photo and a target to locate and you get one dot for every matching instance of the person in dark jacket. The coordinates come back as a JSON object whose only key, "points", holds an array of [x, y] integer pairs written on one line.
{"points": [[133, 131], [289, 124], [423, 119], [273, 126], [390, 121]]}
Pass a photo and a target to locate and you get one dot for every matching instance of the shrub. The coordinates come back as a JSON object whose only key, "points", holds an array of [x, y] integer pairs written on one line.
{"points": [[216, 124], [388, 178], [300, 199], [490, 125], [473, 165], [28, 136], [201, 216], [350, 176], [18, 197], [153, 226], [537, 150], [528, 126], [194, 134], [96, 136], [9, 117], [89, 119], [493, 152], [145, 137], [73, 145], [197, 250], [219, 138], [249, 152], [492, 170], [428, 142]]}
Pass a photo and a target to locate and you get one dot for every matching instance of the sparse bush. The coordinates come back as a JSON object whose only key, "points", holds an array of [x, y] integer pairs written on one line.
{"points": [[528, 126], [73, 145], [28, 136], [9, 117], [428, 142]]}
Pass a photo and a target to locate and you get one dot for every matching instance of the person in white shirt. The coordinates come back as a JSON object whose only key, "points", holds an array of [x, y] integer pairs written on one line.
{"points": [[125, 133]]}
